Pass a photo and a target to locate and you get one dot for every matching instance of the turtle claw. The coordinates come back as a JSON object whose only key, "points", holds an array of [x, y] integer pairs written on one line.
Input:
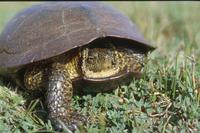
{"points": [[77, 118], [75, 122]]}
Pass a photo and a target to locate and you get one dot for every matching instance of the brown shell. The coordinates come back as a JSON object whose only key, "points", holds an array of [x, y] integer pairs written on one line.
{"points": [[49, 29]]}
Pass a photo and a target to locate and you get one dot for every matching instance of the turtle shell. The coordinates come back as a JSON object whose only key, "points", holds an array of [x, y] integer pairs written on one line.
{"points": [[50, 29]]}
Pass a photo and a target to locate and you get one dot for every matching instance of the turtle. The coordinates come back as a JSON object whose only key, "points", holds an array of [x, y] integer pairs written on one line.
{"points": [[58, 48]]}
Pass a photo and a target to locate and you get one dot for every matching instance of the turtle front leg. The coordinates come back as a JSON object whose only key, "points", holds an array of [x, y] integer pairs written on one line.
{"points": [[58, 100]]}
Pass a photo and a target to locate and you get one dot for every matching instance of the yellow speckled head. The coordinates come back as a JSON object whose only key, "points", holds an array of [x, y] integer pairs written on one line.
{"points": [[108, 62]]}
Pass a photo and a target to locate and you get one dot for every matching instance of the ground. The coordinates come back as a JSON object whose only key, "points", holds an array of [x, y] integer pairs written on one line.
{"points": [[165, 99]]}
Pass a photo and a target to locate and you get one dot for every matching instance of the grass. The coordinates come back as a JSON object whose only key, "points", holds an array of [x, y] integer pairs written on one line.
{"points": [[165, 99]]}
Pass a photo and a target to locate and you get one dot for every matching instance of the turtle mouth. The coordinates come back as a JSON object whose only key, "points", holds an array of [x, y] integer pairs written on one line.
{"points": [[119, 75], [109, 73], [112, 77]]}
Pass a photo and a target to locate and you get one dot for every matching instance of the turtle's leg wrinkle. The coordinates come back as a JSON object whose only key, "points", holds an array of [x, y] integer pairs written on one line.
{"points": [[58, 100]]}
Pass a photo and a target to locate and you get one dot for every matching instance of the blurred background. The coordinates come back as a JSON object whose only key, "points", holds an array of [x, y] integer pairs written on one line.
{"points": [[169, 26]]}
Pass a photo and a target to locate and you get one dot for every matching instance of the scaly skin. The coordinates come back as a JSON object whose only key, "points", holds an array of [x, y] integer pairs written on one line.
{"points": [[56, 78], [58, 100]]}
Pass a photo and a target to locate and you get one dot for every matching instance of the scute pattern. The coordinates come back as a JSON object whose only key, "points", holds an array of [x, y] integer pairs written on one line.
{"points": [[59, 27]]}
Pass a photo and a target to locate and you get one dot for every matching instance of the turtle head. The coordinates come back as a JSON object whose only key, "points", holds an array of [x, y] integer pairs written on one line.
{"points": [[108, 62]]}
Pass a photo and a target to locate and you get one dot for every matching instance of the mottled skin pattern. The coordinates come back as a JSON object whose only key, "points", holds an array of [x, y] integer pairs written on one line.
{"points": [[90, 62]]}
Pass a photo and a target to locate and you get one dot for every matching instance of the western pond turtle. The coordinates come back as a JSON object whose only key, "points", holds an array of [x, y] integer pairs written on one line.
{"points": [[57, 48]]}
